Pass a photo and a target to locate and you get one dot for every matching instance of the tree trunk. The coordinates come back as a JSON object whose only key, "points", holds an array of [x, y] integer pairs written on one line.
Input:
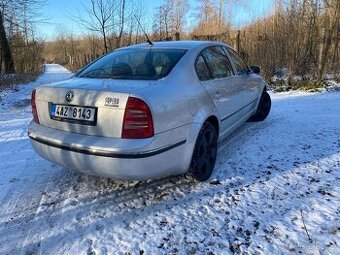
{"points": [[220, 9], [5, 49], [238, 41], [122, 20], [106, 48]]}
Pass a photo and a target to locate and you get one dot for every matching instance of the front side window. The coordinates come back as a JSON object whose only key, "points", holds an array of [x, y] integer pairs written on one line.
{"points": [[217, 62], [134, 64], [241, 66]]}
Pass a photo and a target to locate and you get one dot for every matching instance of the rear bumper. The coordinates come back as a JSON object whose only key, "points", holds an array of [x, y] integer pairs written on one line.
{"points": [[109, 157]]}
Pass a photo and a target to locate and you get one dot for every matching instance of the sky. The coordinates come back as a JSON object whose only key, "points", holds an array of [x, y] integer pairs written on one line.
{"points": [[61, 13]]}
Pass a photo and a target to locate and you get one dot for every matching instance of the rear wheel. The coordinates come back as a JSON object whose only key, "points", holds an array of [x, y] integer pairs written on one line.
{"points": [[205, 152], [263, 108]]}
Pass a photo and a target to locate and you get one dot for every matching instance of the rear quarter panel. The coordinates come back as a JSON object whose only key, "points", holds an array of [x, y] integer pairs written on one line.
{"points": [[179, 103]]}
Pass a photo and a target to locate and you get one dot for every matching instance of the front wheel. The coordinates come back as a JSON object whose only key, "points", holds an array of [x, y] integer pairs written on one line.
{"points": [[263, 108], [205, 152]]}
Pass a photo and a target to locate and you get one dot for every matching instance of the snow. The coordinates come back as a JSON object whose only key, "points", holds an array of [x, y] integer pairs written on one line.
{"points": [[269, 178]]}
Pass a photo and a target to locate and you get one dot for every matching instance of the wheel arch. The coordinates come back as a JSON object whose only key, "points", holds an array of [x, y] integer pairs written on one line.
{"points": [[214, 121]]}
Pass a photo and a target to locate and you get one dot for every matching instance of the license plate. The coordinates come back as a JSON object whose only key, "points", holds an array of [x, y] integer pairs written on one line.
{"points": [[73, 113]]}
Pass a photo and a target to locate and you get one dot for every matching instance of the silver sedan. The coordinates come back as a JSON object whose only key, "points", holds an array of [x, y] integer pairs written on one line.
{"points": [[148, 111]]}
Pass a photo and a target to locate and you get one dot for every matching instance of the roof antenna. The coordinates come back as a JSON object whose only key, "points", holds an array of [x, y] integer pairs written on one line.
{"points": [[146, 35]]}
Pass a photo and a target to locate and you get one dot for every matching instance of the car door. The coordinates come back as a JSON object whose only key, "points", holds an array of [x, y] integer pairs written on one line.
{"points": [[250, 82], [219, 81]]}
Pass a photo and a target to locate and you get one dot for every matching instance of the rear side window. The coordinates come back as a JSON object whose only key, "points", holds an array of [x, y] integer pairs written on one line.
{"points": [[134, 64], [202, 69], [217, 62], [241, 66]]}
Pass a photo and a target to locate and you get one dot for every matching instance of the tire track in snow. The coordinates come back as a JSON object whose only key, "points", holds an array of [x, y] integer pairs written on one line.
{"points": [[15, 220], [32, 241]]}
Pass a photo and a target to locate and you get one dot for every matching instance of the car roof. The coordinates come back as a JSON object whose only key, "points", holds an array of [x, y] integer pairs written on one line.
{"points": [[173, 44]]}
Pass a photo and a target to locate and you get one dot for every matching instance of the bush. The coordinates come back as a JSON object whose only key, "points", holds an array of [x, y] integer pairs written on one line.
{"points": [[297, 83], [9, 80]]}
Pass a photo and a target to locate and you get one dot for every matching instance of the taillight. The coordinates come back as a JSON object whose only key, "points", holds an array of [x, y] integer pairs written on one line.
{"points": [[34, 107], [137, 121]]}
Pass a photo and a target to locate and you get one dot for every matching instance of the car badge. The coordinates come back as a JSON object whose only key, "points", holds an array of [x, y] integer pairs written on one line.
{"points": [[69, 96]]}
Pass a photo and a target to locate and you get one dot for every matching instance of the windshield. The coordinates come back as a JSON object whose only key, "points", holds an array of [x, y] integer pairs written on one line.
{"points": [[134, 64]]}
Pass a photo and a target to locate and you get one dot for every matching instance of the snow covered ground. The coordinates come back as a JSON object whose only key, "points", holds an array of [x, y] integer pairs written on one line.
{"points": [[271, 179]]}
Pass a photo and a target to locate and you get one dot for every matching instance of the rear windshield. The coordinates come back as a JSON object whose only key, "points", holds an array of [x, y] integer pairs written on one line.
{"points": [[134, 64]]}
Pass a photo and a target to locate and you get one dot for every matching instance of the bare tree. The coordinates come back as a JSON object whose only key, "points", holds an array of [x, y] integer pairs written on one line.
{"points": [[180, 9], [169, 18], [212, 23], [136, 12], [121, 24], [100, 13], [220, 11], [162, 21], [17, 19]]}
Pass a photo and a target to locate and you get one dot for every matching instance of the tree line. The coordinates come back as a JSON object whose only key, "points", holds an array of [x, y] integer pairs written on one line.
{"points": [[300, 37]]}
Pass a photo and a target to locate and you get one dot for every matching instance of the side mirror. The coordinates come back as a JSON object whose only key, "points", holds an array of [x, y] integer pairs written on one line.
{"points": [[255, 69]]}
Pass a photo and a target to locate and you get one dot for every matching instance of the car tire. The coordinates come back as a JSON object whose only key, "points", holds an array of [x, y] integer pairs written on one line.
{"points": [[205, 152], [263, 108]]}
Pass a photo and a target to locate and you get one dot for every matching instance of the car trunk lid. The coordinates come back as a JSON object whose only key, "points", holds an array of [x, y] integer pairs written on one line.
{"points": [[106, 99]]}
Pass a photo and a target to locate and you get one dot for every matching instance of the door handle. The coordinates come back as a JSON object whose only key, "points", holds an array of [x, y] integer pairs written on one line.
{"points": [[218, 95]]}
